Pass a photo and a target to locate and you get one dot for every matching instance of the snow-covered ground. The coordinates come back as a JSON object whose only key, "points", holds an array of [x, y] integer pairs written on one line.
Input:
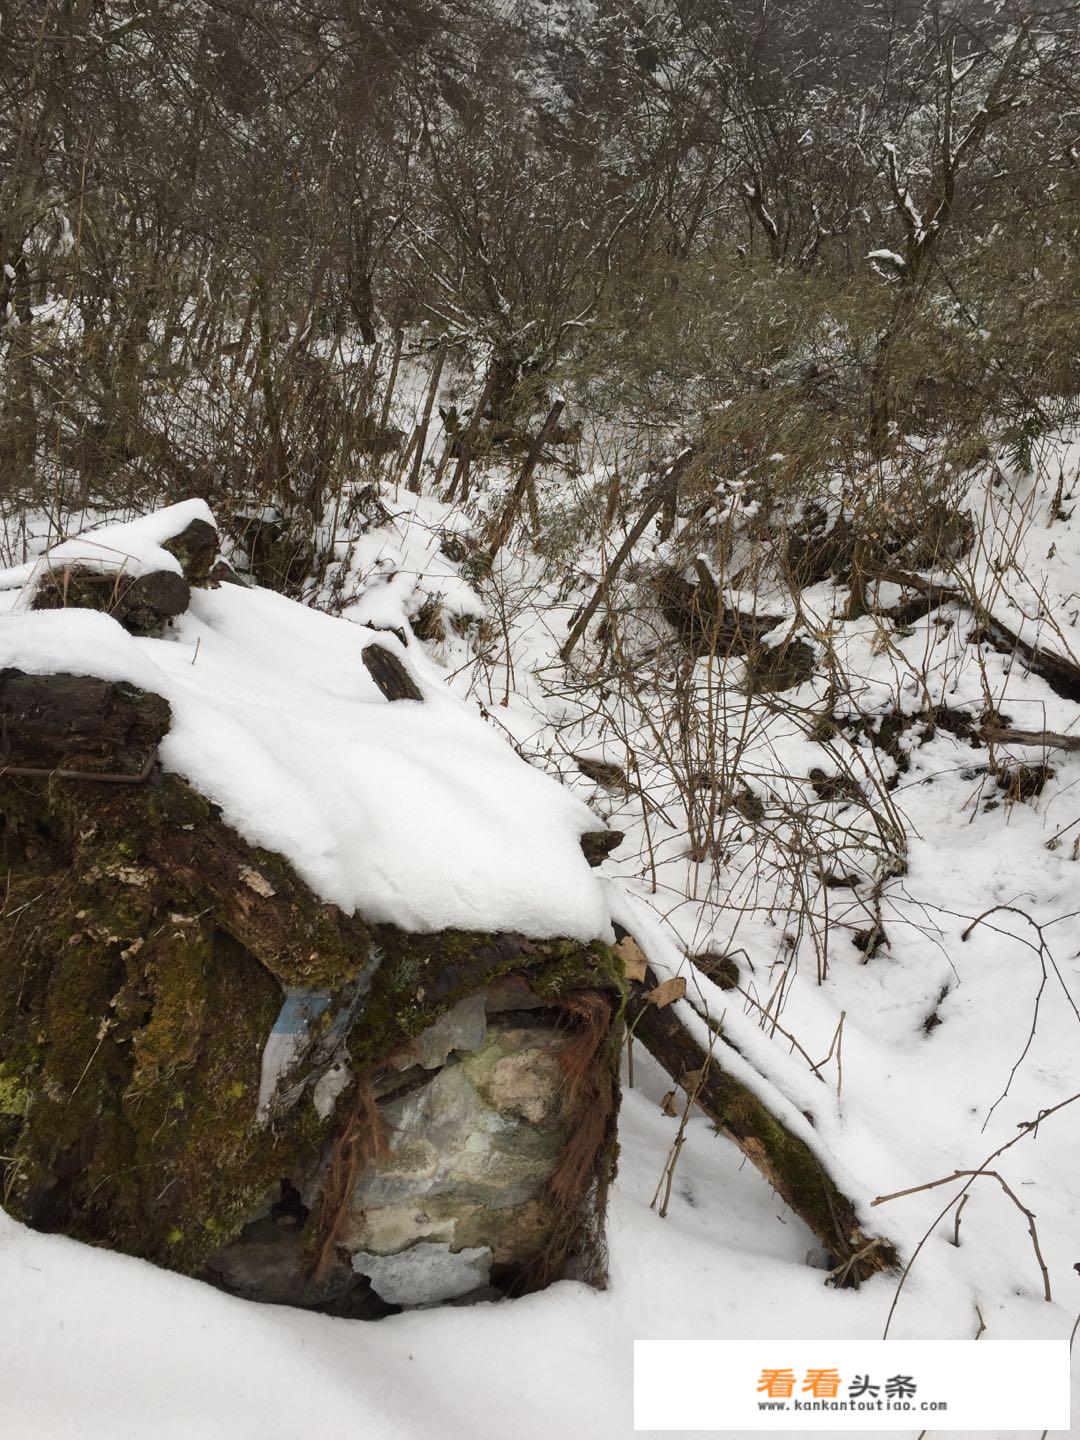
{"points": [[922, 1053], [413, 814]]}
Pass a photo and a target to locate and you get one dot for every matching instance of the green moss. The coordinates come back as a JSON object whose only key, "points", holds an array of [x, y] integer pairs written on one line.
{"points": [[143, 952], [14, 1093], [792, 1166], [422, 976], [173, 803], [568, 965]]}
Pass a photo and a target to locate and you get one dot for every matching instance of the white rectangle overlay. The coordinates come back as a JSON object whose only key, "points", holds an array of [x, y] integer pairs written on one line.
{"points": [[864, 1385]]}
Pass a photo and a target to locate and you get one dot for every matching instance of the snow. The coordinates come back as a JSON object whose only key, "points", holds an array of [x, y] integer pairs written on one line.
{"points": [[888, 257], [133, 548], [414, 814], [849, 1057], [392, 569]]}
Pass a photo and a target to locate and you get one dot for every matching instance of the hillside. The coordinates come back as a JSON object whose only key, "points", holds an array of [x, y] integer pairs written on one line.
{"points": [[539, 701]]}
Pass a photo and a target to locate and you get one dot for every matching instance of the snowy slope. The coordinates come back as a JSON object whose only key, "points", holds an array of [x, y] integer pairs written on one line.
{"points": [[415, 814], [921, 1059]]}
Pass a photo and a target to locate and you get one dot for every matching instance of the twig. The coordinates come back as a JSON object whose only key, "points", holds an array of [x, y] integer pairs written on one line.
{"points": [[1027, 1128]]}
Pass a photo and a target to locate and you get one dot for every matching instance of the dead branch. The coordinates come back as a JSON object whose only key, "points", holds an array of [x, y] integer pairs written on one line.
{"points": [[505, 521], [785, 1160], [1029, 1127], [975, 1175], [657, 497], [1046, 739]]}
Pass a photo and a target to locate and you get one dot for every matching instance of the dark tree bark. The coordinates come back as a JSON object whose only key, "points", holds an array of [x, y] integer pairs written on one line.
{"points": [[50, 722], [389, 674], [785, 1160]]}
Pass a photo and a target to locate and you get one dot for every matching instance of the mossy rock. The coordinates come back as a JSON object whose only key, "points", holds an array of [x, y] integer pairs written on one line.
{"points": [[144, 951]]}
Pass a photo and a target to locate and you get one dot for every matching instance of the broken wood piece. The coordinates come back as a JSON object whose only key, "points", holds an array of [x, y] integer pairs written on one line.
{"points": [[389, 674], [1047, 739], [597, 845]]}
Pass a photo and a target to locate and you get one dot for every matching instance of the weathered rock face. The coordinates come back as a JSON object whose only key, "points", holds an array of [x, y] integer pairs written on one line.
{"points": [[469, 1154], [203, 1064], [477, 1114]]}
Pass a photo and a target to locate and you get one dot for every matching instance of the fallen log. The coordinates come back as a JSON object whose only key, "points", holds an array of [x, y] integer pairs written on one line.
{"points": [[1061, 674], [143, 604], [77, 723], [1045, 739], [785, 1160]]}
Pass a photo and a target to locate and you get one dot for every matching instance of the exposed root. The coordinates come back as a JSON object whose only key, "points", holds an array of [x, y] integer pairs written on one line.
{"points": [[575, 1190], [363, 1138], [592, 1012]]}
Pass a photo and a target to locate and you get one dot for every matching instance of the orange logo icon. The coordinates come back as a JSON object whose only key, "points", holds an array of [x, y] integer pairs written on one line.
{"points": [[822, 1384], [778, 1384]]}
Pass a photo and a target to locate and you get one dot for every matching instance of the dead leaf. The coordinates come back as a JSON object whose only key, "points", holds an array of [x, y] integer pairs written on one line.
{"points": [[668, 1106], [691, 1080], [634, 962], [254, 881], [666, 992]]}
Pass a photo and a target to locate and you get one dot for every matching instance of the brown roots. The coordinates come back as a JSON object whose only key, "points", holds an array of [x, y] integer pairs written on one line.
{"points": [[363, 1138]]}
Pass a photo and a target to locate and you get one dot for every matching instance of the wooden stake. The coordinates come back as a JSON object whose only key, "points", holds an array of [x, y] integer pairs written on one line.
{"points": [[505, 522], [421, 436], [384, 418], [468, 441]]}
